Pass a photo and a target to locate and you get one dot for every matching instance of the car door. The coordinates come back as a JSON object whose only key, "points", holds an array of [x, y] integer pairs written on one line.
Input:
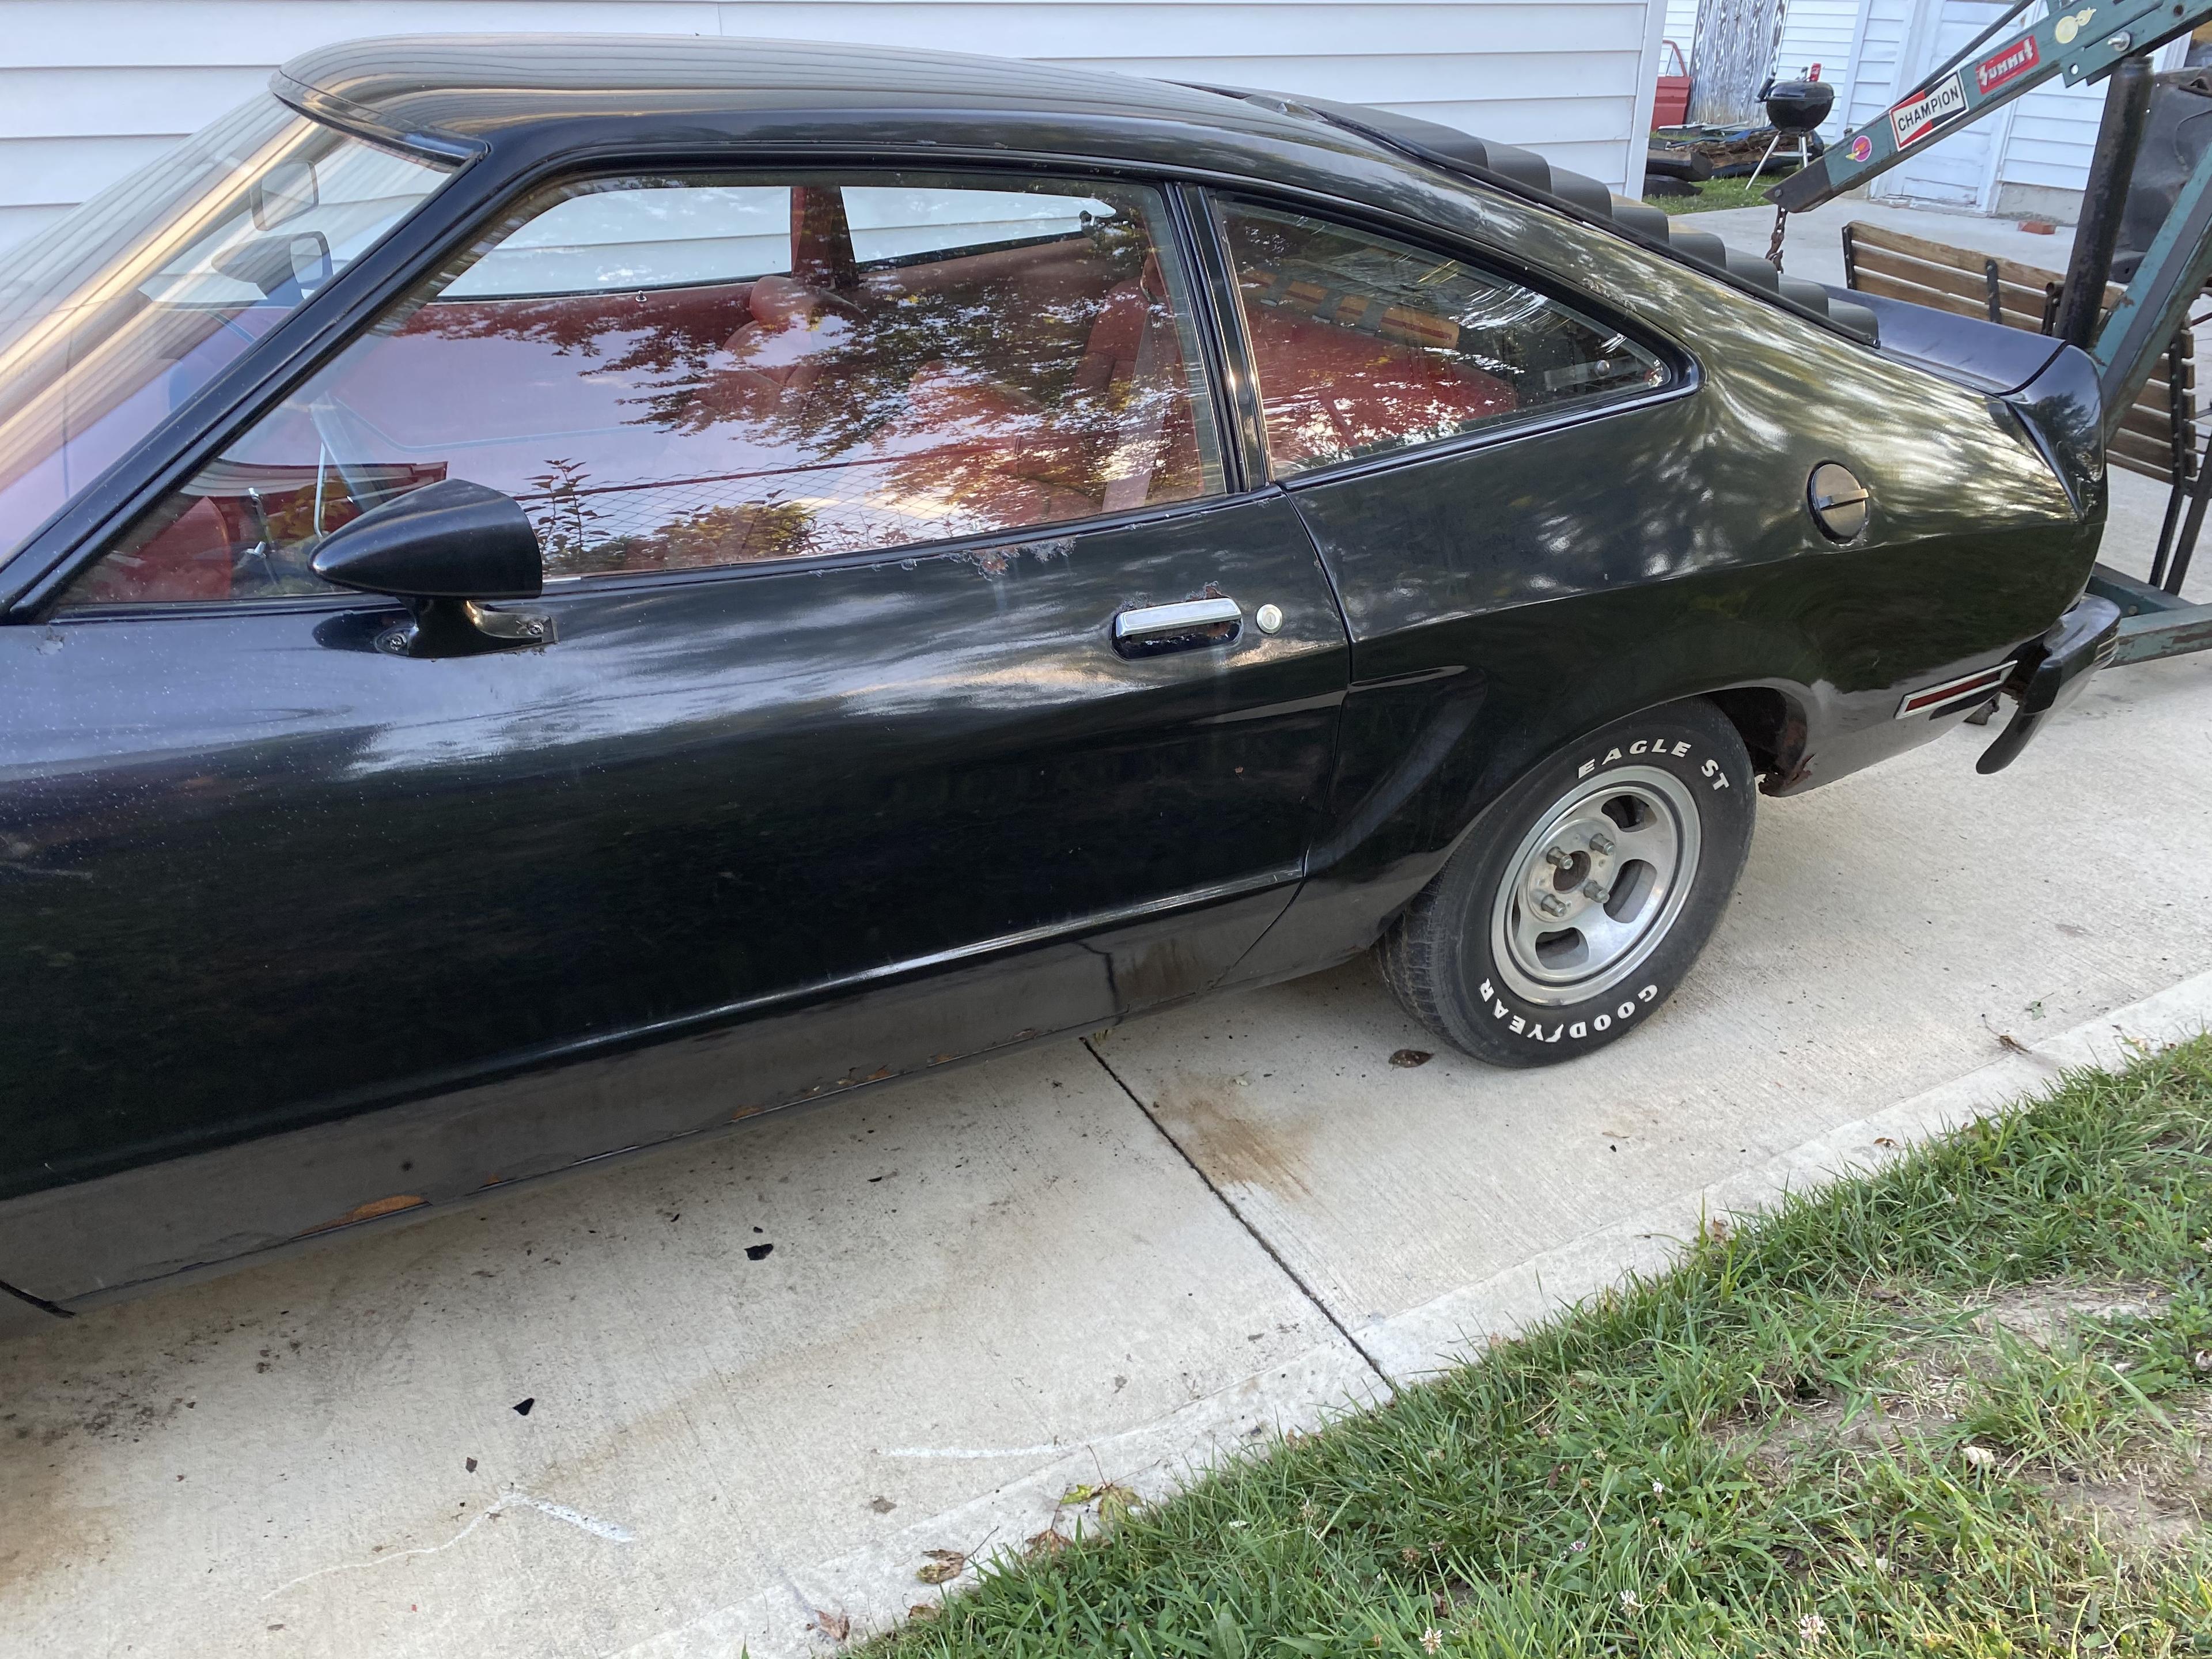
{"points": [[1496, 478], [864, 499]]}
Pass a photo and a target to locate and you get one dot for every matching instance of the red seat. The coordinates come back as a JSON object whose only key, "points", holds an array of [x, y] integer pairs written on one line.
{"points": [[1332, 390]]}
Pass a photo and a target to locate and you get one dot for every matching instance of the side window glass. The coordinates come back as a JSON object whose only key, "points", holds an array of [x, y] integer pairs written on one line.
{"points": [[676, 373], [1362, 344]]}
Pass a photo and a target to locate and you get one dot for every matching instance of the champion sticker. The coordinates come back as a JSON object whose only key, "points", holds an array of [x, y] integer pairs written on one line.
{"points": [[2071, 25], [2012, 62], [1859, 149], [1915, 119]]}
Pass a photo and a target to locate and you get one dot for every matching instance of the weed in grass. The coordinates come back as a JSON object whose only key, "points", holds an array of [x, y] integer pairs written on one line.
{"points": [[1952, 1408]]}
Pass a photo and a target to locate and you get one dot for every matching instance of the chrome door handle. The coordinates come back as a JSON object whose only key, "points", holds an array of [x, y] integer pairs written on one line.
{"points": [[1185, 626]]}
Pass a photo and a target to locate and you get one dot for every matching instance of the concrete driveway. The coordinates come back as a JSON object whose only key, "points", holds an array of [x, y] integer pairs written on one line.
{"points": [[763, 1377]]}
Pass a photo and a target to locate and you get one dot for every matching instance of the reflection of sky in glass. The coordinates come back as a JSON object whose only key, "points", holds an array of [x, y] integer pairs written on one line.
{"points": [[892, 222], [639, 238]]}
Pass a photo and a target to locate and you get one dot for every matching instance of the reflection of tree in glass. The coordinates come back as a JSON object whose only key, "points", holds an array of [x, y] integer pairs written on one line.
{"points": [[564, 517], [951, 393]]}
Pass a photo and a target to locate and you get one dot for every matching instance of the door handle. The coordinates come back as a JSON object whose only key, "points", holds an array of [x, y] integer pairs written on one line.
{"points": [[1193, 623]]}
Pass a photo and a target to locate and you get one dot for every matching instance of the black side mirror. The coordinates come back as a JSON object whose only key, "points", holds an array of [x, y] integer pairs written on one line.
{"points": [[445, 548]]}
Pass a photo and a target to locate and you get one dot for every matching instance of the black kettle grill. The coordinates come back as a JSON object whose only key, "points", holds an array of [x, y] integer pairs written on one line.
{"points": [[1798, 106], [1795, 107]]}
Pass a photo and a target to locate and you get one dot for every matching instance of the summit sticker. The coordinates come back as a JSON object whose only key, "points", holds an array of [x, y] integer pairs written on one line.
{"points": [[2010, 64]]}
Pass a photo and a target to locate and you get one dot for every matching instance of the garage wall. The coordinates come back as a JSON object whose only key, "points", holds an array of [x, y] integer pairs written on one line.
{"points": [[2030, 157], [91, 89], [2054, 131], [1812, 32]]}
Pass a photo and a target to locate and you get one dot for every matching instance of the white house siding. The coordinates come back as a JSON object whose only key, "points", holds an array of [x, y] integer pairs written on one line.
{"points": [[2054, 129], [1876, 47], [91, 89]]}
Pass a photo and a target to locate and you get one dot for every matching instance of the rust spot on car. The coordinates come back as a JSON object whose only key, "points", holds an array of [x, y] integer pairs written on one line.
{"points": [[370, 1211]]}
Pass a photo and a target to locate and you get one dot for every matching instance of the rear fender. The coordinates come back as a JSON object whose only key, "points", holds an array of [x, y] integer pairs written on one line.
{"points": [[1423, 765]]}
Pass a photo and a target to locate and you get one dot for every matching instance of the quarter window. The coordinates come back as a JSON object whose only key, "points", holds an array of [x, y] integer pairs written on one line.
{"points": [[674, 373], [1362, 344]]}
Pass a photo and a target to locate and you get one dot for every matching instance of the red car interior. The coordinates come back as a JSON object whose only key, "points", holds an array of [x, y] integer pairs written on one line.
{"points": [[1369, 375]]}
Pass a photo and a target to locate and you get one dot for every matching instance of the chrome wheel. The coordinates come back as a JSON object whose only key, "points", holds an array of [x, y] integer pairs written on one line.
{"points": [[1593, 889]]}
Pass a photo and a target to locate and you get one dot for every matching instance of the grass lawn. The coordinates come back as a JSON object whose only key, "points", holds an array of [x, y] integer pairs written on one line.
{"points": [[1956, 1407], [1717, 193]]}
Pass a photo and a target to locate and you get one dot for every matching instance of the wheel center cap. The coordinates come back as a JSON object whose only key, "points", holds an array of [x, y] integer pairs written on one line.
{"points": [[1572, 870]]}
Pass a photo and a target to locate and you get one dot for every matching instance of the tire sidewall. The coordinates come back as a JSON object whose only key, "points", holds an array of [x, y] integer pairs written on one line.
{"points": [[1697, 744]]}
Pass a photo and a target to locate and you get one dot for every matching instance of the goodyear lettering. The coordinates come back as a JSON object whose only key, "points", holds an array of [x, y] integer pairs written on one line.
{"points": [[1602, 1022], [1578, 1031], [1519, 1024]]}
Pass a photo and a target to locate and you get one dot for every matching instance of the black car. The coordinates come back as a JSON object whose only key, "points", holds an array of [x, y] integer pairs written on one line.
{"points": [[557, 593]]}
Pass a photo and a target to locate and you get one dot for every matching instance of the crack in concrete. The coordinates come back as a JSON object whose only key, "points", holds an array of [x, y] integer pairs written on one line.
{"points": [[1265, 1244]]}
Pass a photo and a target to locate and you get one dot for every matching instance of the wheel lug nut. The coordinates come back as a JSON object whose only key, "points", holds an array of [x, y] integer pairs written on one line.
{"points": [[1558, 857], [1551, 905], [1601, 844], [1592, 891]]}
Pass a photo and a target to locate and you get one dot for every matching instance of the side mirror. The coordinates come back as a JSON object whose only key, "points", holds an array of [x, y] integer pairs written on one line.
{"points": [[445, 548]]}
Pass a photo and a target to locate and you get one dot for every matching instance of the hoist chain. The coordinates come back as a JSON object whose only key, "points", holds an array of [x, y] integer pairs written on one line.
{"points": [[1774, 247]]}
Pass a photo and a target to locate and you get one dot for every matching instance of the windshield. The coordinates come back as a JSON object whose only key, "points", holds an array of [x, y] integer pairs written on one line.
{"points": [[117, 313]]}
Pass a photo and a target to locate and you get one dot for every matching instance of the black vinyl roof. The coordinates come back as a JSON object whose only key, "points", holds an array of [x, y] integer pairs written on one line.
{"points": [[460, 93], [463, 86]]}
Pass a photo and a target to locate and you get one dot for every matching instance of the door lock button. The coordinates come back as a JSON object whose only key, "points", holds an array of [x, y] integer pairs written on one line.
{"points": [[1268, 618]]}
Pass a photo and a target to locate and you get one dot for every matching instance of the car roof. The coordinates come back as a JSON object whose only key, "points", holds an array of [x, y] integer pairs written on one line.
{"points": [[571, 94], [467, 88]]}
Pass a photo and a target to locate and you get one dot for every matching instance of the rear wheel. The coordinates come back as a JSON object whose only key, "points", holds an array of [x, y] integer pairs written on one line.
{"points": [[1585, 896]]}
